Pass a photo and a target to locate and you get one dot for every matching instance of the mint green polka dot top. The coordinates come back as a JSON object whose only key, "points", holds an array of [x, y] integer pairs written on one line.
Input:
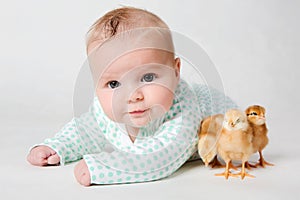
{"points": [[162, 146]]}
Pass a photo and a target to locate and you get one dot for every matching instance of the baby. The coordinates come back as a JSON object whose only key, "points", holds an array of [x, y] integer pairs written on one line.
{"points": [[143, 122]]}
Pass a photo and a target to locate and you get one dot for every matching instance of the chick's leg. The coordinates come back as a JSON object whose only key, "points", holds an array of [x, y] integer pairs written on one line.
{"points": [[243, 173], [226, 173], [262, 162]]}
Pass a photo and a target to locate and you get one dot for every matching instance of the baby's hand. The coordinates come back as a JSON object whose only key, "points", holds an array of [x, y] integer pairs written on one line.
{"points": [[43, 155], [82, 173]]}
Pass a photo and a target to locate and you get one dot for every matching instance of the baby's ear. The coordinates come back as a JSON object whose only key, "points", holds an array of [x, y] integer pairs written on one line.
{"points": [[177, 66]]}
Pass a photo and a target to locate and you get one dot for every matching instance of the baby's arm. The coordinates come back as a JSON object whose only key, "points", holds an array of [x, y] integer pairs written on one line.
{"points": [[78, 137], [61, 147]]}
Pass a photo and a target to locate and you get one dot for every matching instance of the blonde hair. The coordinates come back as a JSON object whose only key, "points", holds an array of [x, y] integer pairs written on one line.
{"points": [[119, 20]]}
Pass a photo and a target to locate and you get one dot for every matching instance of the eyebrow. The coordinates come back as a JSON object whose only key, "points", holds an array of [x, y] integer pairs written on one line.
{"points": [[116, 75], [105, 78]]}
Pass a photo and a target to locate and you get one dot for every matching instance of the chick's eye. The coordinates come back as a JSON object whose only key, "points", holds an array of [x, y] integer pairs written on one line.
{"points": [[148, 77], [113, 84]]}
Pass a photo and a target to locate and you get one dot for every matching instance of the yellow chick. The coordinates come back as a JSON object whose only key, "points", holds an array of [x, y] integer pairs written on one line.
{"points": [[257, 120], [208, 135], [235, 142]]}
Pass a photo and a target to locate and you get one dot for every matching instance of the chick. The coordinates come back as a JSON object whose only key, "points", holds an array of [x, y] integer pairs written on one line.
{"points": [[208, 135], [235, 142], [257, 120]]}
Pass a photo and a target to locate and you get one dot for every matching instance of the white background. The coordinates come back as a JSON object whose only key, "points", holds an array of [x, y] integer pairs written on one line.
{"points": [[255, 46]]}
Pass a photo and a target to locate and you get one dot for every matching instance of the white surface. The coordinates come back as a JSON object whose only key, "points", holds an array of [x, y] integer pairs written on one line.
{"points": [[254, 44]]}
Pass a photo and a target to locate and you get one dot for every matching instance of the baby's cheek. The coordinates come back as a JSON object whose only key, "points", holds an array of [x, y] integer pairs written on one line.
{"points": [[164, 97], [168, 98], [105, 100]]}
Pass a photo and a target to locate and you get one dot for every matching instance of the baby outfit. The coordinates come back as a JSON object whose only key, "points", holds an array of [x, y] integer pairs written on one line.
{"points": [[161, 147]]}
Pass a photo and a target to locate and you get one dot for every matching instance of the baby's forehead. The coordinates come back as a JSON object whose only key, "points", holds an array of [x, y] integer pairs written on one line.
{"points": [[138, 62], [142, 57], [92, 47], [133, 48]]}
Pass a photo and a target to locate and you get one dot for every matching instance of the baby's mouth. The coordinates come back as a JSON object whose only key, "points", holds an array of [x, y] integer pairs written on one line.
{"points": [[138, 112]]}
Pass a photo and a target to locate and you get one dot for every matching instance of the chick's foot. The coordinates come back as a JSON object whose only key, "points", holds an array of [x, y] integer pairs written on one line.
{"points": [[263, 163], [244, 174], [226, 174]]}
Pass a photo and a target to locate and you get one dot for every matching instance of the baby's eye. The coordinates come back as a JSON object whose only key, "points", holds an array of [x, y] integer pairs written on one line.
{"points": [[148, 77], [254, 113], [237, 121], [113, 84]]}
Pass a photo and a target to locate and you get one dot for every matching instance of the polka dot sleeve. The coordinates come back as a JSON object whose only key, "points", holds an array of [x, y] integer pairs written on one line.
{"points": [[78, 137]]}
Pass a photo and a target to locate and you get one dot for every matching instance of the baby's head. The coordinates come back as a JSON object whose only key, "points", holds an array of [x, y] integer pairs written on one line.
{"points": [[137, 84], [120, 20]]}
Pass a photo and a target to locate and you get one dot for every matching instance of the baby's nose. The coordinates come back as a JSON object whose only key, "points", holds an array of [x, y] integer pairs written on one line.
{"points": [[136, 96]]}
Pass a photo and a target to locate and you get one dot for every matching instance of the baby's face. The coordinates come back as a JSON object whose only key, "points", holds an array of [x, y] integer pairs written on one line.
{"points": [[139, 86]]}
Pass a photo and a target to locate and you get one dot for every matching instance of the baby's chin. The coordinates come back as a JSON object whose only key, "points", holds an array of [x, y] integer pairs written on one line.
{"points": [[139, 120], [138, 123]]}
